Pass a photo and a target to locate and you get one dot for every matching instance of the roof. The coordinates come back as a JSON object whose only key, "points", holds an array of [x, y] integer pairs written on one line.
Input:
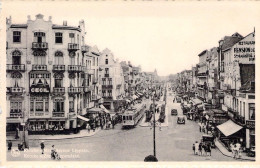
{"points": [[229, 41], [19, 26], [202, 53], [94, 50], [54, 26]]}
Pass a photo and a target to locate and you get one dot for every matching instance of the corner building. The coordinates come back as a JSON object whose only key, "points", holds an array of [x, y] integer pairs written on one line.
{"points": [[45, 75]]}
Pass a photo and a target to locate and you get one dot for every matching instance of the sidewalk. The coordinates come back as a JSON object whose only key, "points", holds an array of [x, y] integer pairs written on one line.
{"points": [[225, 152], [81, 134]]}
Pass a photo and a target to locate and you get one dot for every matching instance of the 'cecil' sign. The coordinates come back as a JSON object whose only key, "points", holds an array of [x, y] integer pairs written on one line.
{"points": [[244, 50], [40, 90]]}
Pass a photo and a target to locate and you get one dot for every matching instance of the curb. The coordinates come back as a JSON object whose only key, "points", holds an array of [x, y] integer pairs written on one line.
{"points": [[232, 157]]}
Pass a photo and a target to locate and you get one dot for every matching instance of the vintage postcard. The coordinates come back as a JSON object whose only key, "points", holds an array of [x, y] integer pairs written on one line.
{"points": [[120, 81]]}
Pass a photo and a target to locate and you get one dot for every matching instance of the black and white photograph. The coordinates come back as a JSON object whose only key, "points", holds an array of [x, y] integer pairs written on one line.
{"points": [[124, 81]]}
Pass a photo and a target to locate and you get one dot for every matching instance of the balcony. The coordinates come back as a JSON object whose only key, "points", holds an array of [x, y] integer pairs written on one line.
{"points": [[107, 98], [107, 86], [58, 114], [75, 90], [58, 90], [39, 67], [39, 46], [15, 90], [13, 67], [74, 68], [90, 71], [106, 75], [84, 49], [73, 47], [58, 68], [16, 113]]}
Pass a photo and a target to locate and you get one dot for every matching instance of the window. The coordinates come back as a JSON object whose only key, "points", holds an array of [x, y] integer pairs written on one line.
{"points": [[251, 111], [58, 37], [58, 83], [106, 70], [40, 60], [58, 106], [110, 81], [16, 36], [109, 92], [106, 61], [72, 37], [103, 81], [16, 57], [93, 61], [16, 108], [41, 104], [72, 60], [71, 106], [39, 37], [103, 93], [97, 61], [82, 41], [59, 58]]}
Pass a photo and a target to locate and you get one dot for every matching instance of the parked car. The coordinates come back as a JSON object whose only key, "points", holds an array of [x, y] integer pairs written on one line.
{"points": [[174, 112], [181, 120]]}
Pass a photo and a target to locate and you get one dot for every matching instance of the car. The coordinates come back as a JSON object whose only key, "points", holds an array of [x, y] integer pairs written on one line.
{"points": [[174, 112], [181, 120]]}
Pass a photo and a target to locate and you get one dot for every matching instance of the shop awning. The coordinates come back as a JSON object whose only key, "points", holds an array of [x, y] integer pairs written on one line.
{"points": [[228, 128], [82, 118], [104, 108]]}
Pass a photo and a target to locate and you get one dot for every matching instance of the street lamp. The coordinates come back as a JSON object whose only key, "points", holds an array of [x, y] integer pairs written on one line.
{"points": [[154, 144]]}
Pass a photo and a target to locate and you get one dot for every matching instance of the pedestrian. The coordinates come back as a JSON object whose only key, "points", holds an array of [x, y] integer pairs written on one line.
{"points": [[88, 127], [193, 148], [17, 133], [42, 147], [209, 149], [200, 149], [200, 126], [232, 149], [238, 148], [10, 144], [196, 148]]}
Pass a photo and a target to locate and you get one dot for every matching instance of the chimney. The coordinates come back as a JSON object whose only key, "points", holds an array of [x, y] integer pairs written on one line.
{"points": [[64, 23]]}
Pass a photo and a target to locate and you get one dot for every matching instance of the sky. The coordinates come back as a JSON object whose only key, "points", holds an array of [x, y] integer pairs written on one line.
{"points": [[164, 35]]}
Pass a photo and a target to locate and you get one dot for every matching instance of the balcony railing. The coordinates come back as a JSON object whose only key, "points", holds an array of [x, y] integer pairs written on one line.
{"points": [[75, 90], [59, 90], [73, 47], [58, 68], [74, 68], [41, 46], [84, 48], [39, 67], [107, 86], [15, 113], [108, 98], [13, 67], [106, 75], [58, 114], [15, 90]]}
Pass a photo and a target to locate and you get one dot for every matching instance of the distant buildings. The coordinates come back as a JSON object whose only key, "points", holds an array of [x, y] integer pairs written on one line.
{"points": [[54, 80], [225, 79]]}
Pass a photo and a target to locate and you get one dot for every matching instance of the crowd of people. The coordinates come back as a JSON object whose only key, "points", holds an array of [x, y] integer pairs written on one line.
{"points": [[201, 149]]}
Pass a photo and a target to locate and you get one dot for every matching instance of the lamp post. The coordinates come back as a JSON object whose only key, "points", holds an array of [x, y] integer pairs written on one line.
{"points": [[154, 144]]}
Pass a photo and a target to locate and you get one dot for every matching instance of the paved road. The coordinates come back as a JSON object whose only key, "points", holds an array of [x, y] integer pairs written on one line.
{"points": [[173, 143]]}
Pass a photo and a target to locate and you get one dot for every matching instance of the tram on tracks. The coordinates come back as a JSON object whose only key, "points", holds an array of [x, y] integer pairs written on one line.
{"points": [[132, 116]]}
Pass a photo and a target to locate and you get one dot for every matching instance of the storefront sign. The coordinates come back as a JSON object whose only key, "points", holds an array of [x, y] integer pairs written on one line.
{"points": [[244, 50], [250, 123], [39, 90]]}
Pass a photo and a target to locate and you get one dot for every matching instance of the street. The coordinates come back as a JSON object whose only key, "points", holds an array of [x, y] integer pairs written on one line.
{"points": [[173, 143]]}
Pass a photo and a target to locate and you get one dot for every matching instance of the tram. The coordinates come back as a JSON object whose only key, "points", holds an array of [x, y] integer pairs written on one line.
{"points": [[132, 116]]}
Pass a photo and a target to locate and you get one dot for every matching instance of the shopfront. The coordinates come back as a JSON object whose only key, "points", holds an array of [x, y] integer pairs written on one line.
{"points": [[250, 133], [46, 126]]}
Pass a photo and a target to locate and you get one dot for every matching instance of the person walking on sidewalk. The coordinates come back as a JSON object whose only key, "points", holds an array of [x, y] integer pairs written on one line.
{"points": [[193, 148], [196, 148], [42, 147], [200, 149], [232, 149]]}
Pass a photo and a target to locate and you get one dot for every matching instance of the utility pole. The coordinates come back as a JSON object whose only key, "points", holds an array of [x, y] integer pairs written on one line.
{"points": [[154, 147]]}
